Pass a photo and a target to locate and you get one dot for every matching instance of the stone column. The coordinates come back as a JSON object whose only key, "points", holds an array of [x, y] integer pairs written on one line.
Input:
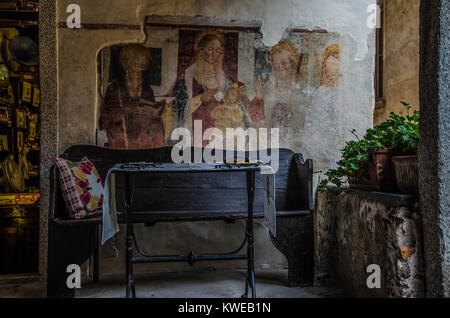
{"points": [[49, 117], [434, 147]]}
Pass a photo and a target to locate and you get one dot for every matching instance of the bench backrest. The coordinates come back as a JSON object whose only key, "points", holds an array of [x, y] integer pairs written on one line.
{"points": [[219, 192]]}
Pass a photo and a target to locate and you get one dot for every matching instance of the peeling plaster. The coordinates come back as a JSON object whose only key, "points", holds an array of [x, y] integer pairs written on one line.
{"points": [[276, 16]]}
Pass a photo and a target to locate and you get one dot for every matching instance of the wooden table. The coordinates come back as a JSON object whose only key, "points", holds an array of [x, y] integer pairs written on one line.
{"points": [[131, 170]]}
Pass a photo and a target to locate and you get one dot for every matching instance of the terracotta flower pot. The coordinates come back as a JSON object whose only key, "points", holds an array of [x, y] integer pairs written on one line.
{"points": [[381, 169], [407, 173]]}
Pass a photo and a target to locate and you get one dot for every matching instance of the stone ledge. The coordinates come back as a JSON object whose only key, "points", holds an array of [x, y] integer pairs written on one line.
{"points": [[392, 199], [354, 229]]}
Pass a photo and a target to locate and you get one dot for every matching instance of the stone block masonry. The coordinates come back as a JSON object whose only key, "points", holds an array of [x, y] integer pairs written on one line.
{"points": [[354, 229]]}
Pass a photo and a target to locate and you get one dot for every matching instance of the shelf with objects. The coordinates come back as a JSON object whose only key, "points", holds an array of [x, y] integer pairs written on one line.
{"points": [[19, 148]]}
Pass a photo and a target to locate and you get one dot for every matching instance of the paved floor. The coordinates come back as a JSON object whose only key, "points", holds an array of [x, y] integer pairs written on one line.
{"points": [[203, 284], [23, 290]]}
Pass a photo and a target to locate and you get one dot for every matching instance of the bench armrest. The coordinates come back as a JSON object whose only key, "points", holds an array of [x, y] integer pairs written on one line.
{"points": [[57, 206], [304, 171]]}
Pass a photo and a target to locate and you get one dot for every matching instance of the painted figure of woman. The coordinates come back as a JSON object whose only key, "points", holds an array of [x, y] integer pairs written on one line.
{"points": [[200, 88], [281, 92], [130, 116], [322, 115], [331, 67]]}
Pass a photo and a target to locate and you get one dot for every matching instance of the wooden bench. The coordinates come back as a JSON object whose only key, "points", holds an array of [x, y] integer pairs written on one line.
{"points": [[179, 197]]}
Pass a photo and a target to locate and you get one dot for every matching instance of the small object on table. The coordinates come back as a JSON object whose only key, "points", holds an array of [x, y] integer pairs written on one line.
{"points": [[139, 165], [237, 163]]}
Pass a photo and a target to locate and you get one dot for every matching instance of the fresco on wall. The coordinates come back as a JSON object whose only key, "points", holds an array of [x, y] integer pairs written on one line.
{"points": [[207, 67], [225, 78], [131, 116], [151, 76], [321, 113]]}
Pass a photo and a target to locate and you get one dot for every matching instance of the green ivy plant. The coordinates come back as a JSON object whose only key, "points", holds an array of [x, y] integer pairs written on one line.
{"points": [[399, 133]]}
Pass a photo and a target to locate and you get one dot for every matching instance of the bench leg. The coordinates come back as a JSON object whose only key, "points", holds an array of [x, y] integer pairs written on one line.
{"points": [[67, 245], [250, 281], [294, 238], [57, 277]]}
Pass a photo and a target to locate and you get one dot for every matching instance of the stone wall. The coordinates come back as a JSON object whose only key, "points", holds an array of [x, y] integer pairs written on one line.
{"points": [[434, 144], [400, 57], [354, 229], [49, 121]]}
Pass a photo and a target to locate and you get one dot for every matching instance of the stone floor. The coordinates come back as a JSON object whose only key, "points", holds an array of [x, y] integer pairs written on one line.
{"points": [[194, 284], [22, 288], [203, 284]]}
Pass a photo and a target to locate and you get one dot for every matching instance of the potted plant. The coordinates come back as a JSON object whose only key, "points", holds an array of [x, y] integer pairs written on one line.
{"points": [[381, 159], [406, 161], [353, 166], [381, 145], [367, 162]]}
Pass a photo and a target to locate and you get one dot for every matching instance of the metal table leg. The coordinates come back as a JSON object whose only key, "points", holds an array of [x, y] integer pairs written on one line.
{"points": [[250, 249], [96, 255], [131, 292]]}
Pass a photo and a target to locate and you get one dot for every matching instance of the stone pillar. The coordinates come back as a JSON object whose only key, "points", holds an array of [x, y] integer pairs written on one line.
{"points": [[434, 147], [49, 117]]}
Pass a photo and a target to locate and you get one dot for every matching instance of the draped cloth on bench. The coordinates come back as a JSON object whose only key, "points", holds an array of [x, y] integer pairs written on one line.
{"points": [[110, 224]]}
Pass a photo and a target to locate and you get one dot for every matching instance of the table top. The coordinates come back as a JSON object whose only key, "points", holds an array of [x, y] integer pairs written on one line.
{"points": [[186, 167]]}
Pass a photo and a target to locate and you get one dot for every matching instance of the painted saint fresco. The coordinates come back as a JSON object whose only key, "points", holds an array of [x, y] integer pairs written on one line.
{"points": [[131, 117], [280, 94], [201, 86], [321, 114], [225, 78]]}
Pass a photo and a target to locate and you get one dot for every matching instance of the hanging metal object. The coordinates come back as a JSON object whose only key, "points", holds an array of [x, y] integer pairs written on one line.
{"points": [[7, 34], [24, 50], [12, 179]]}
